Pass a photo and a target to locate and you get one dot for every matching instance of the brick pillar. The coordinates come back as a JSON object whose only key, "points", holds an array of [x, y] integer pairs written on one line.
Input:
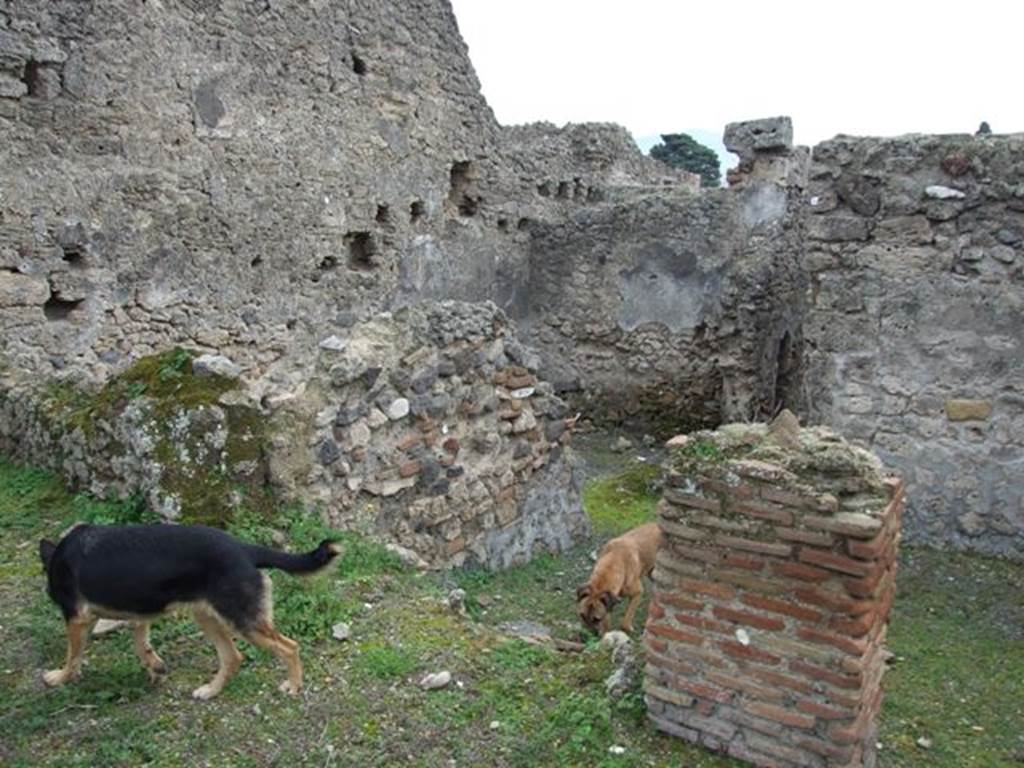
{"points": [[772, 597]]}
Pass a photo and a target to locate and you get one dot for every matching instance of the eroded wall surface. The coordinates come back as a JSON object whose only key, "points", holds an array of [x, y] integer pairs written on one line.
{"points": [[916, 315]]}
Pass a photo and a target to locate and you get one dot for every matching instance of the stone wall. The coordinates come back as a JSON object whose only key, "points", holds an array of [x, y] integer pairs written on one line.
{"points": [[669, 310], [237, 176], [428, 428], [772, 596], [916, 310]]}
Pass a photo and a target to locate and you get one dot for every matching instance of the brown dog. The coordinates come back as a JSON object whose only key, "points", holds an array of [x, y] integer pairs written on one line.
{"points": [[619, 572]]}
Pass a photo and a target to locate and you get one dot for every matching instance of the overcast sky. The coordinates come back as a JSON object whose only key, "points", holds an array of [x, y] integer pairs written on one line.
{"points": [[870, 67]]}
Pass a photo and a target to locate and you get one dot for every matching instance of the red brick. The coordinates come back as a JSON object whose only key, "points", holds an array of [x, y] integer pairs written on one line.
{"points": [[750, 619], [845, 644], [833, 601], [744, 562], [409, 468], [814, 538], [824, 503], [409, 442], [751, 545], [885, 607], [739, 491], [792, 755], [707, 588], [873, 549], [669, 567], [677, 530], [834, 562], [854, 627], [779, 715], [824, 712], [675, 634], [697, 654], [780, 606], [746, 652], [721, 523], [858, 526], [850, 702], [745, 686], [699, 622], [663, 662], [866, 587], [782, 681], [747, 580], [758, 724], [801, 572], [681, 603], [849, 682], [740, 752], [850, 734], [689, 500], [764, 511], [702, 554], [658, 646], [841, 755], [655, 610], [704, 691], [655, 691]]}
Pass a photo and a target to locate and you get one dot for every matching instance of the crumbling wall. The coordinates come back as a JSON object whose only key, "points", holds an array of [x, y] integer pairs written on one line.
{"points": [[429, 428], [914, 253], [765, 636]]}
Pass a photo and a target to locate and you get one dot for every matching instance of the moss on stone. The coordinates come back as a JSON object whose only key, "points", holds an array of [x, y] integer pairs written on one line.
{"points": [[174, 401], [816, 460]]}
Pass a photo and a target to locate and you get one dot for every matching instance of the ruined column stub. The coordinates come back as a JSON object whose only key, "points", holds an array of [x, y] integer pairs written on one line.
{"points": [[769, 134], [761, 146], [773, 590]]}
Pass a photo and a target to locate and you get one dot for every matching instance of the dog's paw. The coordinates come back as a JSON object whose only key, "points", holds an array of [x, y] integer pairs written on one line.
{"points": [[205, 692], [55, 677], [157, 672], [287, 687]]}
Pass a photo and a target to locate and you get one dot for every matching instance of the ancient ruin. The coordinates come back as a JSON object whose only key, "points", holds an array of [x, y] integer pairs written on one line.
{"points": [[272, 182], [773, 592]]}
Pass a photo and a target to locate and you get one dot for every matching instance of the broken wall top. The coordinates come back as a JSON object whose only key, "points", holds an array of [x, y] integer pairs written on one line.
{"points": [[814, 463]]}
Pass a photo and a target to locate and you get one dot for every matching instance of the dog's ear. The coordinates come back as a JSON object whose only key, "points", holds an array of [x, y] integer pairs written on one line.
{"points": [[582, 591], [609, 600], [46, 549]]}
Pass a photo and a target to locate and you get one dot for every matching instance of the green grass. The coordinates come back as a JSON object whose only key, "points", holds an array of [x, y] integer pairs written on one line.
{"points": [[957, 634], [623, 501], [958, 676]]}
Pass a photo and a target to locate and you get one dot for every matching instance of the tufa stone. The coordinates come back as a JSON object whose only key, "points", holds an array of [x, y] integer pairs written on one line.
{"points": [[968, 410]]}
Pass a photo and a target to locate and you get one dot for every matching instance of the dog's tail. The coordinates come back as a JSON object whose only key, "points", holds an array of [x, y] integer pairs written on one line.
{"points": [[262, 557]]}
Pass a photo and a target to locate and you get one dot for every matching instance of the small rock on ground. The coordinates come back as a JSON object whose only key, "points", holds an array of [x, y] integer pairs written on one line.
{"points": [[436, 680]]}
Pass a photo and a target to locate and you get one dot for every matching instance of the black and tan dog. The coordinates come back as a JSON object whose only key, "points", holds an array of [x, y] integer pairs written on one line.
{"points": [[138, 572], [619, 572]]}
